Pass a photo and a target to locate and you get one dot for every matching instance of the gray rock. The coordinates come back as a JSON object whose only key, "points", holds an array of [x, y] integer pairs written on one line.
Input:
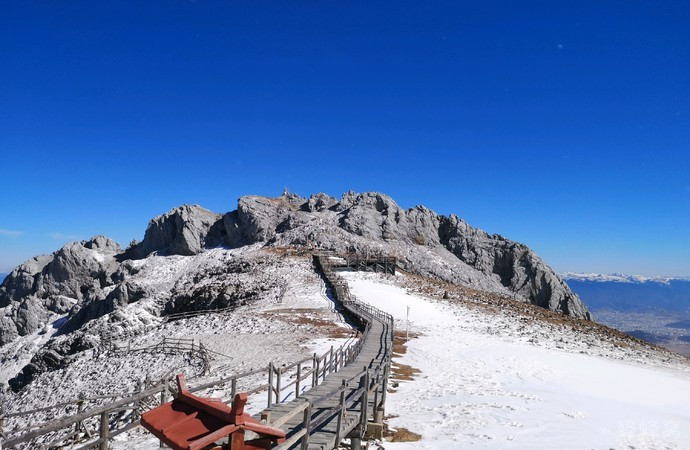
{"points": [[518, 267], [232, 284], [185, 230], [91, 279], [99, 306], [259, 219], [427, 243], [320, 202], [43, 284], [22, 280]]}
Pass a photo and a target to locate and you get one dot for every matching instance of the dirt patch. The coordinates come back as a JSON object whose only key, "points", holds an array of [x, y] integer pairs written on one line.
{"points": [[400, 339], [307, 316], [400, 435], [399, 371], [403, 372]]}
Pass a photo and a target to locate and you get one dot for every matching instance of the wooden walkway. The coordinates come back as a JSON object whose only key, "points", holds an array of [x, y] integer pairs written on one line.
{"points": [[370, 263], [333, 410], [346, 398]]}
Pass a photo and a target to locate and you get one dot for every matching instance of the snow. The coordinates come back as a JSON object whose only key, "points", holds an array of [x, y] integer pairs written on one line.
{"points": [[489, 378], [618, 278], [486, 382], [19, 352], [303, 322]]}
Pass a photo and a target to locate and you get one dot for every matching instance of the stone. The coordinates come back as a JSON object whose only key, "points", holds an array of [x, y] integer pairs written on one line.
{"points": [[181, 231]]}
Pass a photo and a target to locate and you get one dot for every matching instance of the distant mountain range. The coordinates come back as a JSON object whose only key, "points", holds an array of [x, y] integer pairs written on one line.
{"points": [[655, 309], [631, 293], [3, 275], [620, 278]]}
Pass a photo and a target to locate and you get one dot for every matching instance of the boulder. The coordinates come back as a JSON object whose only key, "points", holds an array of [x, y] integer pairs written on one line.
{"points": [[184, 230], [43, 284]]}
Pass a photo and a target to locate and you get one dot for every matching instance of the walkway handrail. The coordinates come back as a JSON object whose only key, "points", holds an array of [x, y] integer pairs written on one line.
{"points": [[321, 366], [370, 378]]}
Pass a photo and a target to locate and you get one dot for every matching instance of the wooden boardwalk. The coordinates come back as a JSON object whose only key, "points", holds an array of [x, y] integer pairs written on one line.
{"points": [[345, 400], [370, 263], [333, 410]]}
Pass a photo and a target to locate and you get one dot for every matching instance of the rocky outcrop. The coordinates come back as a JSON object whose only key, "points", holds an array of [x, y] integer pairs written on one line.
{"points": [[259, 218], [185, 230], [320, 202], [367, 221], [235, 283], [98, 306], [54, 356], [93, 282], [51, 284], [517, 266]]}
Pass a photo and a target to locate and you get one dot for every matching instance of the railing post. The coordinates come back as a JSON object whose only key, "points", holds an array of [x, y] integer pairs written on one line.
{"points": [[298, 379], [313, 371], [270, 385], [104, 431], [386, 374], [164, 398], [330, 363], [137, 402], [306, 423], [233, 388], [364, 381], [378, 412], [318, 364], [278, 376], [80, 409], [341, 414]]}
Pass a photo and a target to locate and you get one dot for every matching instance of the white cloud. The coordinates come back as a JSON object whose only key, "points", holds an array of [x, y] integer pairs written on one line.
{"points": [[63, 236], [10, 233]]}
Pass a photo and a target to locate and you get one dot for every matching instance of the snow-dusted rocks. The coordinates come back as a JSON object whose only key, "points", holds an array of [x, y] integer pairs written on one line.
{"points": [[258, 218], [372, 222], [90, 284], [41, 285], [518, 267], [185, 230]]}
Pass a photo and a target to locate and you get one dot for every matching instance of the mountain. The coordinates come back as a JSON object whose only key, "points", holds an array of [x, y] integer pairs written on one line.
{"points": [[88, 284], [494, 334], [655, 309], [631, 292], [3, 275]]}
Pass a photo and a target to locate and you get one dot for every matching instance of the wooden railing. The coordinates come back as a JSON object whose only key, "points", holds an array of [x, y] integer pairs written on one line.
{"points": [[75, 427], [95, 427], [371, 380]]}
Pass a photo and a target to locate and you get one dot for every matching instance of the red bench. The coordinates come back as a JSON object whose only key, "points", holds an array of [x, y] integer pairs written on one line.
{"points": [[190, 422]]}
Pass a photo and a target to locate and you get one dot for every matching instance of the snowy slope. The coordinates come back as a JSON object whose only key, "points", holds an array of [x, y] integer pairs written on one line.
{"points": [[488, 381], [279, 330]]}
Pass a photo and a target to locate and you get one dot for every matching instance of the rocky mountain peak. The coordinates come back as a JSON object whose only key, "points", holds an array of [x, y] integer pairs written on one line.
{"points": [[90, 278], [368, 222], [184, 230]]}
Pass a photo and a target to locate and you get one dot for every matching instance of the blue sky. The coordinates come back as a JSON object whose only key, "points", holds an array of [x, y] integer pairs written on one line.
{"points": [[565, 126]]}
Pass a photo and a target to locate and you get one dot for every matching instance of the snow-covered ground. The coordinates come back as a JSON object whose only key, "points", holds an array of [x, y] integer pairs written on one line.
{"points": [[278, 330], [489, 381]]}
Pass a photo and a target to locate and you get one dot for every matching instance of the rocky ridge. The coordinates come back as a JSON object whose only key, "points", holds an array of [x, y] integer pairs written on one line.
{"points": [[86, 283]]}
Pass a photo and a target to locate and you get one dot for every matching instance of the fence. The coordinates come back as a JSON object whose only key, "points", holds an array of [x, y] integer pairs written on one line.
{"points": [[95, 427]]}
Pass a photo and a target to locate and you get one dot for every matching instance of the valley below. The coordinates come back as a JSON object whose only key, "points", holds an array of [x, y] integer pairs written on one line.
{"points": [[670, 330]]}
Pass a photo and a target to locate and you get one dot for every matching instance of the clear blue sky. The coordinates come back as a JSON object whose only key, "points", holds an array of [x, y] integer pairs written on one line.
{"points": [[563, 125]]}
